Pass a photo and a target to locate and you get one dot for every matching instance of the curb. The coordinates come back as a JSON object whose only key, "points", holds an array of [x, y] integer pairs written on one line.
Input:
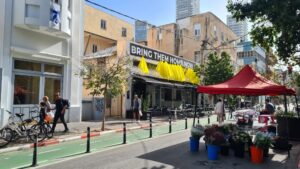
{"points": [[57, 141]]}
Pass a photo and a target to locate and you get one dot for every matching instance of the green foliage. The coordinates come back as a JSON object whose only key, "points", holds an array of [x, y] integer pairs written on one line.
{"points": [[145, 103], [197, 131], [262, 140], [289, 114], [218, 69], [199, 70], [104, 79], [276, 24], [241, 137]]}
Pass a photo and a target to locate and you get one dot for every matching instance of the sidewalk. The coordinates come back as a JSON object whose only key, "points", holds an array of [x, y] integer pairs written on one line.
{"points": [[77, 130]]}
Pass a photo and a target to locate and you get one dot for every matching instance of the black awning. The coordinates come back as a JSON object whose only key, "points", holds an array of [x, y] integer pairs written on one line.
{"points": [[164, 82]]}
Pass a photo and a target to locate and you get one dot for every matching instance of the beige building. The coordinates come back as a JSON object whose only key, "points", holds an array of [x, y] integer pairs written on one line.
{"points": [[194, 38], [105, 39]]}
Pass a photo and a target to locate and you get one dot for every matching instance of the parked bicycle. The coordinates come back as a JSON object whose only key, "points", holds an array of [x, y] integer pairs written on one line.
{"points": [[6, 135], [43, 126], [22, 129]]}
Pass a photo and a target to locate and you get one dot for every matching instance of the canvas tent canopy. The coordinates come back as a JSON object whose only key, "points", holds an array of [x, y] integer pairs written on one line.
{"points": [[247, 82]]}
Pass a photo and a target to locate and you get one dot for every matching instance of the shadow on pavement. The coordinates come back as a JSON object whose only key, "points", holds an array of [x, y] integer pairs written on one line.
{"points": [[179, 157]]}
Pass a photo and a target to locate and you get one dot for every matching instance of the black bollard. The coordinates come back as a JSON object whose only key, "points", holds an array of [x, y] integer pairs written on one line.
{"points": [[186, 125], [170, 125], [34, 158], [124, 133], [198, 120], [208, 119], [88, 140], [150, 130]]}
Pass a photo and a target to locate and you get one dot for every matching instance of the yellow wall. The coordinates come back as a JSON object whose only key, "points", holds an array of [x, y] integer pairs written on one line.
{"points": [[114, 25], [166, 42], [111, 36]]}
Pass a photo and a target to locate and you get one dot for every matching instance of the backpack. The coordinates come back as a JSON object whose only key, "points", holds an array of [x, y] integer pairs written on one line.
{"points": [[66, 103]]}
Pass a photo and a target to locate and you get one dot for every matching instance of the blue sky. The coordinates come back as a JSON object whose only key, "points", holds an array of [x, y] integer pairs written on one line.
{"points": [[159, 12]]}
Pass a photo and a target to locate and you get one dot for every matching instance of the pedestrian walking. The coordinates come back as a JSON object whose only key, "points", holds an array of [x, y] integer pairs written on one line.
{"points": [[60, 109], [219, 110], [45, 107], [137, 108]]}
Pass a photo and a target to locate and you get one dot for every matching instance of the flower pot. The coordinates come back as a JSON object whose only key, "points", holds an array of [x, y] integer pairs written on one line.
{"points": [[266, 152], [194, 144], [256, 155], [239, 149], [213, 151], [224, 150]]}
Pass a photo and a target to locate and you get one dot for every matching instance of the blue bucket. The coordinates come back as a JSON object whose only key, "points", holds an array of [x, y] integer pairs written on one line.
{"points": [[213, 152], [194, 144]]}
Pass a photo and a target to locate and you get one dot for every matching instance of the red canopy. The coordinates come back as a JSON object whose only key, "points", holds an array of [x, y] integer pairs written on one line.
{"points": [[247, 82]]}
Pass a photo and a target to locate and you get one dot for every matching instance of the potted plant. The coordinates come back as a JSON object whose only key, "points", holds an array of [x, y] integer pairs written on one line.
{"points": [[213, 139], [263, 141], [196, 133], [287, 123], [239, 141], [226, 129], [260, 148]]}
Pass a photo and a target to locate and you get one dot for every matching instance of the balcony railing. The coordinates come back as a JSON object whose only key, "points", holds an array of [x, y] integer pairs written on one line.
{"points": [[102, 53]]}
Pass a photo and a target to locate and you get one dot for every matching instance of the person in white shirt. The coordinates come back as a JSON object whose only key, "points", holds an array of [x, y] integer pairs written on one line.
{"points": [[219, 110]]}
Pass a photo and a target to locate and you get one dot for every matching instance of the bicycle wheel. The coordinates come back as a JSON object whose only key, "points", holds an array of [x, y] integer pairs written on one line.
{"points": [[38, 131], [6, 136], [49, 130]]}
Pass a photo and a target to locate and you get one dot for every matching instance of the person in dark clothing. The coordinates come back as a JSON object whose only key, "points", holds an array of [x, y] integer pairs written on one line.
{"points": [[269, 110], [60, 108], [137, 107]]}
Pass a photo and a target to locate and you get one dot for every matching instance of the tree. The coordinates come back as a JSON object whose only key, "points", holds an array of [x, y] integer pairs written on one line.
{"points": [[105, 77], [276, 24], [218, 69]]}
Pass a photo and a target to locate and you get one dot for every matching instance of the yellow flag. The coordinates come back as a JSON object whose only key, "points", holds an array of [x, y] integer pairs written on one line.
{"points": [[143, 66]]}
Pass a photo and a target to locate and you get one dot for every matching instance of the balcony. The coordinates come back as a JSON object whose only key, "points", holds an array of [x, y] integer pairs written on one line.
{"points": [[44, 16], [102, 53]]}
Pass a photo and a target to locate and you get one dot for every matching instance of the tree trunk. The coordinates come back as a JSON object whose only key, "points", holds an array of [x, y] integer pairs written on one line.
{"points": [[104, 113]]}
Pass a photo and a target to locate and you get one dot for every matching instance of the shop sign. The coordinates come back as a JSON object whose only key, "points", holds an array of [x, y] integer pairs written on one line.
{"points": [[148, 53]]}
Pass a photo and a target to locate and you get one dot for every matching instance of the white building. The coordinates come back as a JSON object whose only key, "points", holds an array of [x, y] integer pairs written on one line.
{"points": [[41, 44], [240, 28], [186, 8]]}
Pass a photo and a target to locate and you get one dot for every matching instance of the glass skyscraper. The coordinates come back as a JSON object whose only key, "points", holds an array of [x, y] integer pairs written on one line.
{"points": [[186, 8]]}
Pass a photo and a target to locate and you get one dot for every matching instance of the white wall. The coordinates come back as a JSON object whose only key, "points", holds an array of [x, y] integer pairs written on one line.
{"points": [[34, 44]]}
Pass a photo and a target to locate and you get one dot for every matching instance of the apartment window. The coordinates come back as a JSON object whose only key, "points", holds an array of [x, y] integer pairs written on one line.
{"points": [[197, 30], [222, 36], [215, 32], [197, 56], [124, 32], [158, 34], [94, 48], [103, 24]]}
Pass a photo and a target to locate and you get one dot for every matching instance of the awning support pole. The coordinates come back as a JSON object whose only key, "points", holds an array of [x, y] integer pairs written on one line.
{"points": [[195, 108], [297, 107], [285, 104], [287, 121]]}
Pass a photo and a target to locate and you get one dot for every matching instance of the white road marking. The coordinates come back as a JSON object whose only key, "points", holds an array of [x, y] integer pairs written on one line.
{"points": [[57, 149]]}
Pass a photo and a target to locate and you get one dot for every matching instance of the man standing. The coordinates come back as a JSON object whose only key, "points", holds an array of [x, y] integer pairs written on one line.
{"points": [[60, 108], [137, 107], [219, 110], [270, 109]]}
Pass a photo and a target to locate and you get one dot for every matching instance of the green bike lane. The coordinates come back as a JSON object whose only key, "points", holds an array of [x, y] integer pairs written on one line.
{"points": [[65, 150]]}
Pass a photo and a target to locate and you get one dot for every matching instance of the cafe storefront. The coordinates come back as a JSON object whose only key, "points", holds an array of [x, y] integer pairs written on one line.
{"points": [[155, 90]]}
